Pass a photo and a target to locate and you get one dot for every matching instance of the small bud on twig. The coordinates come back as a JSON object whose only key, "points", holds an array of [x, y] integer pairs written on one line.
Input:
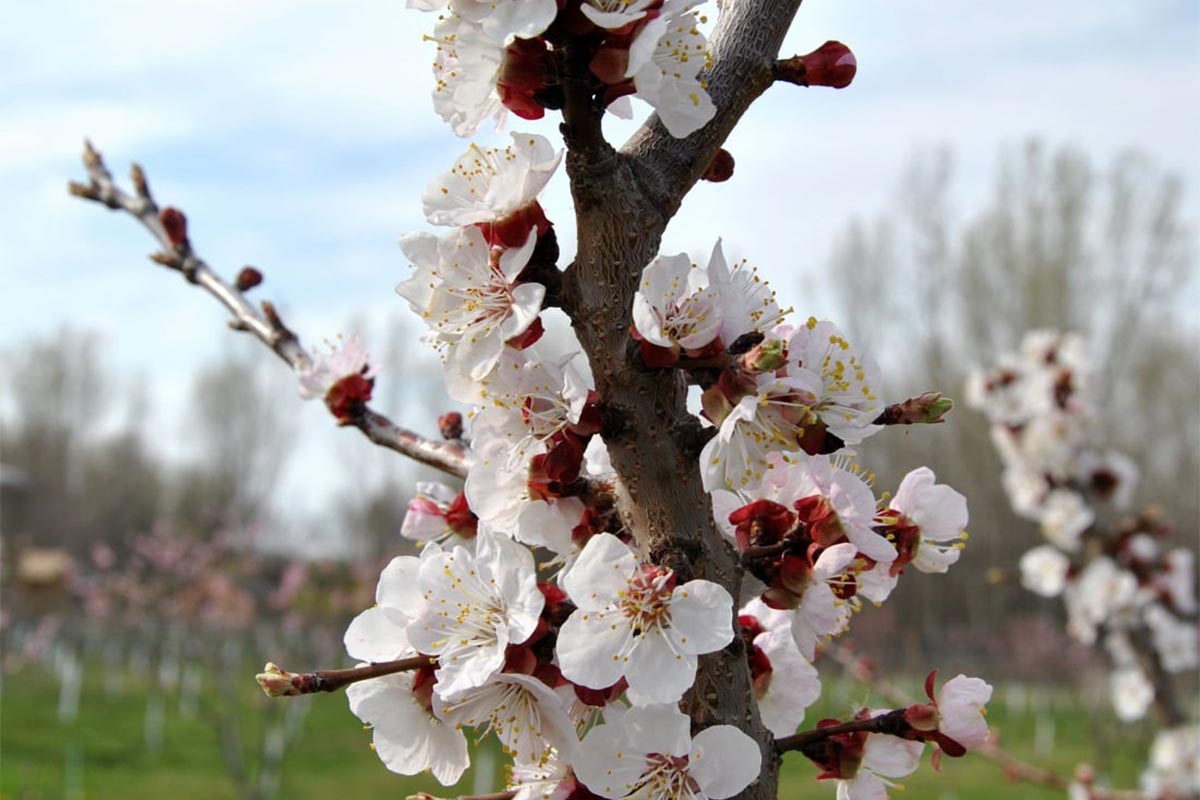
{"points": [[277, 682], [832, 64], [247, 279], [175, 224], [720, 169], [450, 425], [930, 408], [137, 176]]}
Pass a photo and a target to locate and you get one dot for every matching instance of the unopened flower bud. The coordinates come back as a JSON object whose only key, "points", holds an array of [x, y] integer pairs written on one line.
{"points": [[720, 169], [765, 357], [247, 279], [926, 409], [832, 64], [276, 682], [175, 224], [450, 425]]}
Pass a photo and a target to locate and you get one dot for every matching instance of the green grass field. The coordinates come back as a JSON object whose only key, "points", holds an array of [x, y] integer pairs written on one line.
{"points": [[101, 754]]}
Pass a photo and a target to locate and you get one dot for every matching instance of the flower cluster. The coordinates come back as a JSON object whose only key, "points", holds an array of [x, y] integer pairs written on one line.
{"points": [[1121, 585], [497, 57], [577, 661]]}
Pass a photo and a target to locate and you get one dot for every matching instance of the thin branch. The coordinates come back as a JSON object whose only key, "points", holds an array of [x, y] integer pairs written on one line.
{"points": [[1014, 768], [169, 227], [278, 682], [891, 723]]}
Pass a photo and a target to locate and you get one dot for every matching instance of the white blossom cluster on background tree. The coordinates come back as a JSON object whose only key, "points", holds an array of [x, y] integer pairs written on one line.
{"points": [[1125, 589], [629, 590]]}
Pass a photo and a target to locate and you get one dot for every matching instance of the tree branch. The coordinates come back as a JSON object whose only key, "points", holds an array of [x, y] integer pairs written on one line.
{"points": [[1014, 768], [278, 682], [744, 48], [891, 723], [169, 227]]}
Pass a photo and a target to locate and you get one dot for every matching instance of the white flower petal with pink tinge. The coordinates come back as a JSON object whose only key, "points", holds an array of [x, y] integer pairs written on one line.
{"points": [[624, 624], [525, 714], [940, 511], [960, 705], [487, 185], [476, 605], [649, 754], [378, 634], [406, 737]]}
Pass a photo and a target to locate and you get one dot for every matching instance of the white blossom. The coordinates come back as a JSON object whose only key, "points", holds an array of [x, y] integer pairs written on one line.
{"points": [[487, 185], [342, 359], [1044, 570], [1174, 769], [616, 14], [939, 514], [439, 514], [1064, 517], [792, 685], [475, 606], [747, 301], [665, 60], [651, 755], [821, 614], [405, 734], [525, 714], [1131, 693], [465, 70], [1101, 591], [632, 621], [469, 296], [675, 305], [883, 758], [505, 20], [759, 425], [848, 402], [406, 737], [960, 704]]}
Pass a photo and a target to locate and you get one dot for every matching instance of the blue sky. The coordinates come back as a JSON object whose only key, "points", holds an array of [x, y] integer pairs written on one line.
{"points": [[298, 135]]}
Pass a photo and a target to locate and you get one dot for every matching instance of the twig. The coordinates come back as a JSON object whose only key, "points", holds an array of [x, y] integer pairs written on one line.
{"points": [[278, 682], [169, 227], [1014, 768], [891, 723]]}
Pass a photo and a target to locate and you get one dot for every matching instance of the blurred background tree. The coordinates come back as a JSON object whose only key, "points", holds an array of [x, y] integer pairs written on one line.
{"points": [[1060, 243]]}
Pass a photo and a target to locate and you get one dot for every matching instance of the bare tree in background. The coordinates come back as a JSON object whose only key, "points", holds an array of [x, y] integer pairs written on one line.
{"points": [[240, 421], [1060, 244], [83, 485]]}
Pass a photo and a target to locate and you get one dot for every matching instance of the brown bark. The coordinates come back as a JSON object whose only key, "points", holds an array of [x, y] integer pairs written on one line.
{"points": [[623, 202]]}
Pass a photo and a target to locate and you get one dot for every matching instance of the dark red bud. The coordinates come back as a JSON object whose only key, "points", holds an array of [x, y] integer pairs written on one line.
{"points": [[450, 425], [832, 64], [720, 169], [348, 397], [175, 224], [522, 75], [247, 279]]}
